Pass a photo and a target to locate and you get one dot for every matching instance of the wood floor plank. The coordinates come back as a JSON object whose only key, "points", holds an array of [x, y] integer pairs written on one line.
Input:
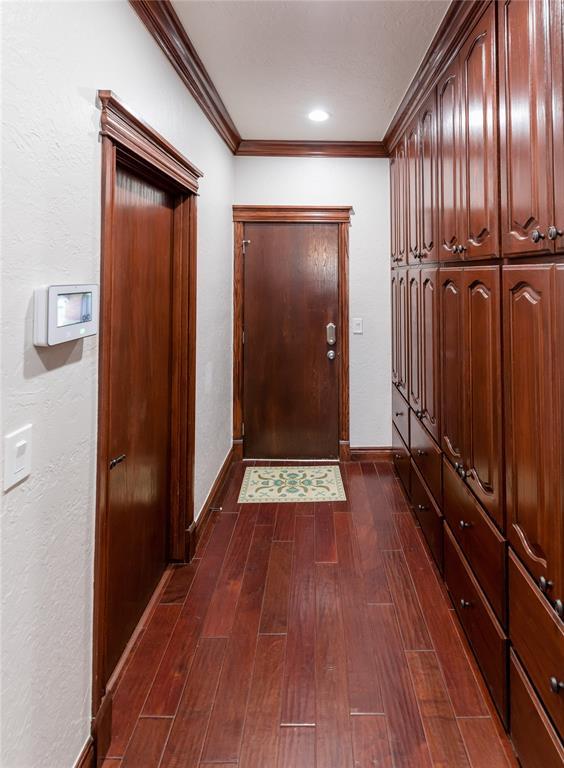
{"points": [[462, 686], [147, 743], [136, 680], [230, 495], [267, 514], [179, 583], [111, 762], [296, 747], [411, 622], [260, 735], [221, 612], [371, 744], [169, 682], [443, 736], [392, 488], [324, 533], [333, 726], [223, 741], [274, 618], [380, 499], [364, 686], [298, 697], [407, 737], [374, 575], [285, 522], [483, 744], [184, 746]]}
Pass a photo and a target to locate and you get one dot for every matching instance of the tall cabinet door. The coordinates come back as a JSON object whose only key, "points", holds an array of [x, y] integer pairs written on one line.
{"points": [[393, 211], [395, 327], [525, 115], [534, 378], [412, 181], [402, 329], [482, 404], [557, 37], [448, 165], [478, 158], [452, 363], [400, 206], [430, 350], [428, 180], [414, 318]]}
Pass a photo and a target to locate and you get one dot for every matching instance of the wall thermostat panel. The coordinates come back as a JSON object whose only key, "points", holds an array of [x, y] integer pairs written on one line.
{"points": [[65, 313]]}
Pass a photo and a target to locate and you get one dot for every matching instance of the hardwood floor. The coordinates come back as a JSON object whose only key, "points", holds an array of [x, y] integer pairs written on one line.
{"points": [[306, 636]]}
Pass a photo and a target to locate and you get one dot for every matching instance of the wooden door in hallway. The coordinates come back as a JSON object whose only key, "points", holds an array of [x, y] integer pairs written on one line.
{"points": [[139, 401], [291, 381]]}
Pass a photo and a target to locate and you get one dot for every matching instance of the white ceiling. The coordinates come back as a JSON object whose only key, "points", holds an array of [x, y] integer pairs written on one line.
{"points": [[274, 61]]}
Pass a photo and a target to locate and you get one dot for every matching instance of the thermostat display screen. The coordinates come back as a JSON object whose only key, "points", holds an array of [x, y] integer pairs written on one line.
{"points": [[73, 308]]}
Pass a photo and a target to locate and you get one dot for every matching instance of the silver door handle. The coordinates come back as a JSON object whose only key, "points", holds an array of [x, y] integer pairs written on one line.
{"points": [[331, 334]]}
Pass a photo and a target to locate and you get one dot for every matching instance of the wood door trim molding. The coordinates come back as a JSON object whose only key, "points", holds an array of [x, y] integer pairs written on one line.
{"points": [[166, 28], [128, 141], [340, 215], [276, 148], [457, 22], [294, 214], [131, 133], [372, 453]]}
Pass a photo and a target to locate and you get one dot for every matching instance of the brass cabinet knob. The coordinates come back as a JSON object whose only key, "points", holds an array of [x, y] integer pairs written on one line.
{"points": [[537, 236]]}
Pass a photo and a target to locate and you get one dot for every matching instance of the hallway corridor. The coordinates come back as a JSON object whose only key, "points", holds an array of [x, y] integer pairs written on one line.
{"points": [[306, 635]]}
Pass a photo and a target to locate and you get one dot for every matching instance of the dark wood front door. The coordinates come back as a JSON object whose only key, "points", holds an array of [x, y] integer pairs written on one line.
{"points": [[290, 386], [139, 402]]}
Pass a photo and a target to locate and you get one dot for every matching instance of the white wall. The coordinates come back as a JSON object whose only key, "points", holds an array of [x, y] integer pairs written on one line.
{"points": [[363, 184], [55, 55]]}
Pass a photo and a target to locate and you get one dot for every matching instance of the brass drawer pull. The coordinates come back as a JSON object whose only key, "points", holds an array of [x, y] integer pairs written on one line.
{"points": [[556, 685]]}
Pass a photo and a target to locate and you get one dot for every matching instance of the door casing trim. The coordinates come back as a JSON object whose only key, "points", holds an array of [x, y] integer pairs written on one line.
{"points": [[340, 215], [128, 141]]}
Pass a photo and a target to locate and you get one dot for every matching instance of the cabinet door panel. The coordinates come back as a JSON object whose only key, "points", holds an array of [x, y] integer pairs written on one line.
{"points": [[557, 38], [428, 181], [395, 327], [479, 174], [533, 368], [412, 180], [430, 350], [452, 363], [483, 384], [393, 211], [402, 332], [448, 174], [401, 205], [525, 114], [414, 315]]}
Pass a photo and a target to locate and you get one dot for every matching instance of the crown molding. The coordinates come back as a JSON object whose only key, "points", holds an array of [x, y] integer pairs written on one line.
{"points": [[338, 214], [164, 25], [273, 148], [461, 15]]}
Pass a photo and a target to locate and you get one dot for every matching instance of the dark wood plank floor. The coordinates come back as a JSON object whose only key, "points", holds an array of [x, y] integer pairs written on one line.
{"points": [[306, 636]]}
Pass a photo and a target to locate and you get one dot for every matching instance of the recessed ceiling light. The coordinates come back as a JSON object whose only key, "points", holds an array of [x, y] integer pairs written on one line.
{"points": [[318, 115]]}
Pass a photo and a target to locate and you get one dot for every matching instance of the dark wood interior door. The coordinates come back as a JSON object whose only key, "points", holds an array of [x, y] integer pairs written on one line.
{"points": [[139, 402], [291, 386]]}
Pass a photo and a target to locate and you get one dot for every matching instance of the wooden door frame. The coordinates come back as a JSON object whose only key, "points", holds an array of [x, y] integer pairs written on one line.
{"points": [[129, 142], [247, 214]]}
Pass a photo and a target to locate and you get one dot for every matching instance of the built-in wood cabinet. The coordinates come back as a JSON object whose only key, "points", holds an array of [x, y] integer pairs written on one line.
{"points": [[530, 35], [480, 367], [533, 299]]}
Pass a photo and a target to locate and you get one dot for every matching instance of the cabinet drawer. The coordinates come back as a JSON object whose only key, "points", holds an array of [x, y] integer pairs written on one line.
{"points": [[400, 414], [401, 460], [428, 514], [537, 634], [478, 538], [426, 455], [485, 635], [533, 736]]}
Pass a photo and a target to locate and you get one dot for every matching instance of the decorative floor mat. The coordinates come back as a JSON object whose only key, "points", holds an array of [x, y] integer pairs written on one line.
{"points": [[281, 484]]}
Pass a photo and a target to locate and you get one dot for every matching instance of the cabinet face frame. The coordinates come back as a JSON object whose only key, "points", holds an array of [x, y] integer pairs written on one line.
{"points": [[526, 163]]}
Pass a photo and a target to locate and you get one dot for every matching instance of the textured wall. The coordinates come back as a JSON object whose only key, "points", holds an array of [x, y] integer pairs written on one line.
{"points": [[364, 185], [54, 58]]}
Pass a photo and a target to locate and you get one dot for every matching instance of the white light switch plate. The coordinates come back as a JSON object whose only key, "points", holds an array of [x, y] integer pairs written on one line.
{"points": [[357, 325], [17, 456]]}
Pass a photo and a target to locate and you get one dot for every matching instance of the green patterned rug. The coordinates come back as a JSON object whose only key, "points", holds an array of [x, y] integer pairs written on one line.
{"points": [[281, 484]]}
